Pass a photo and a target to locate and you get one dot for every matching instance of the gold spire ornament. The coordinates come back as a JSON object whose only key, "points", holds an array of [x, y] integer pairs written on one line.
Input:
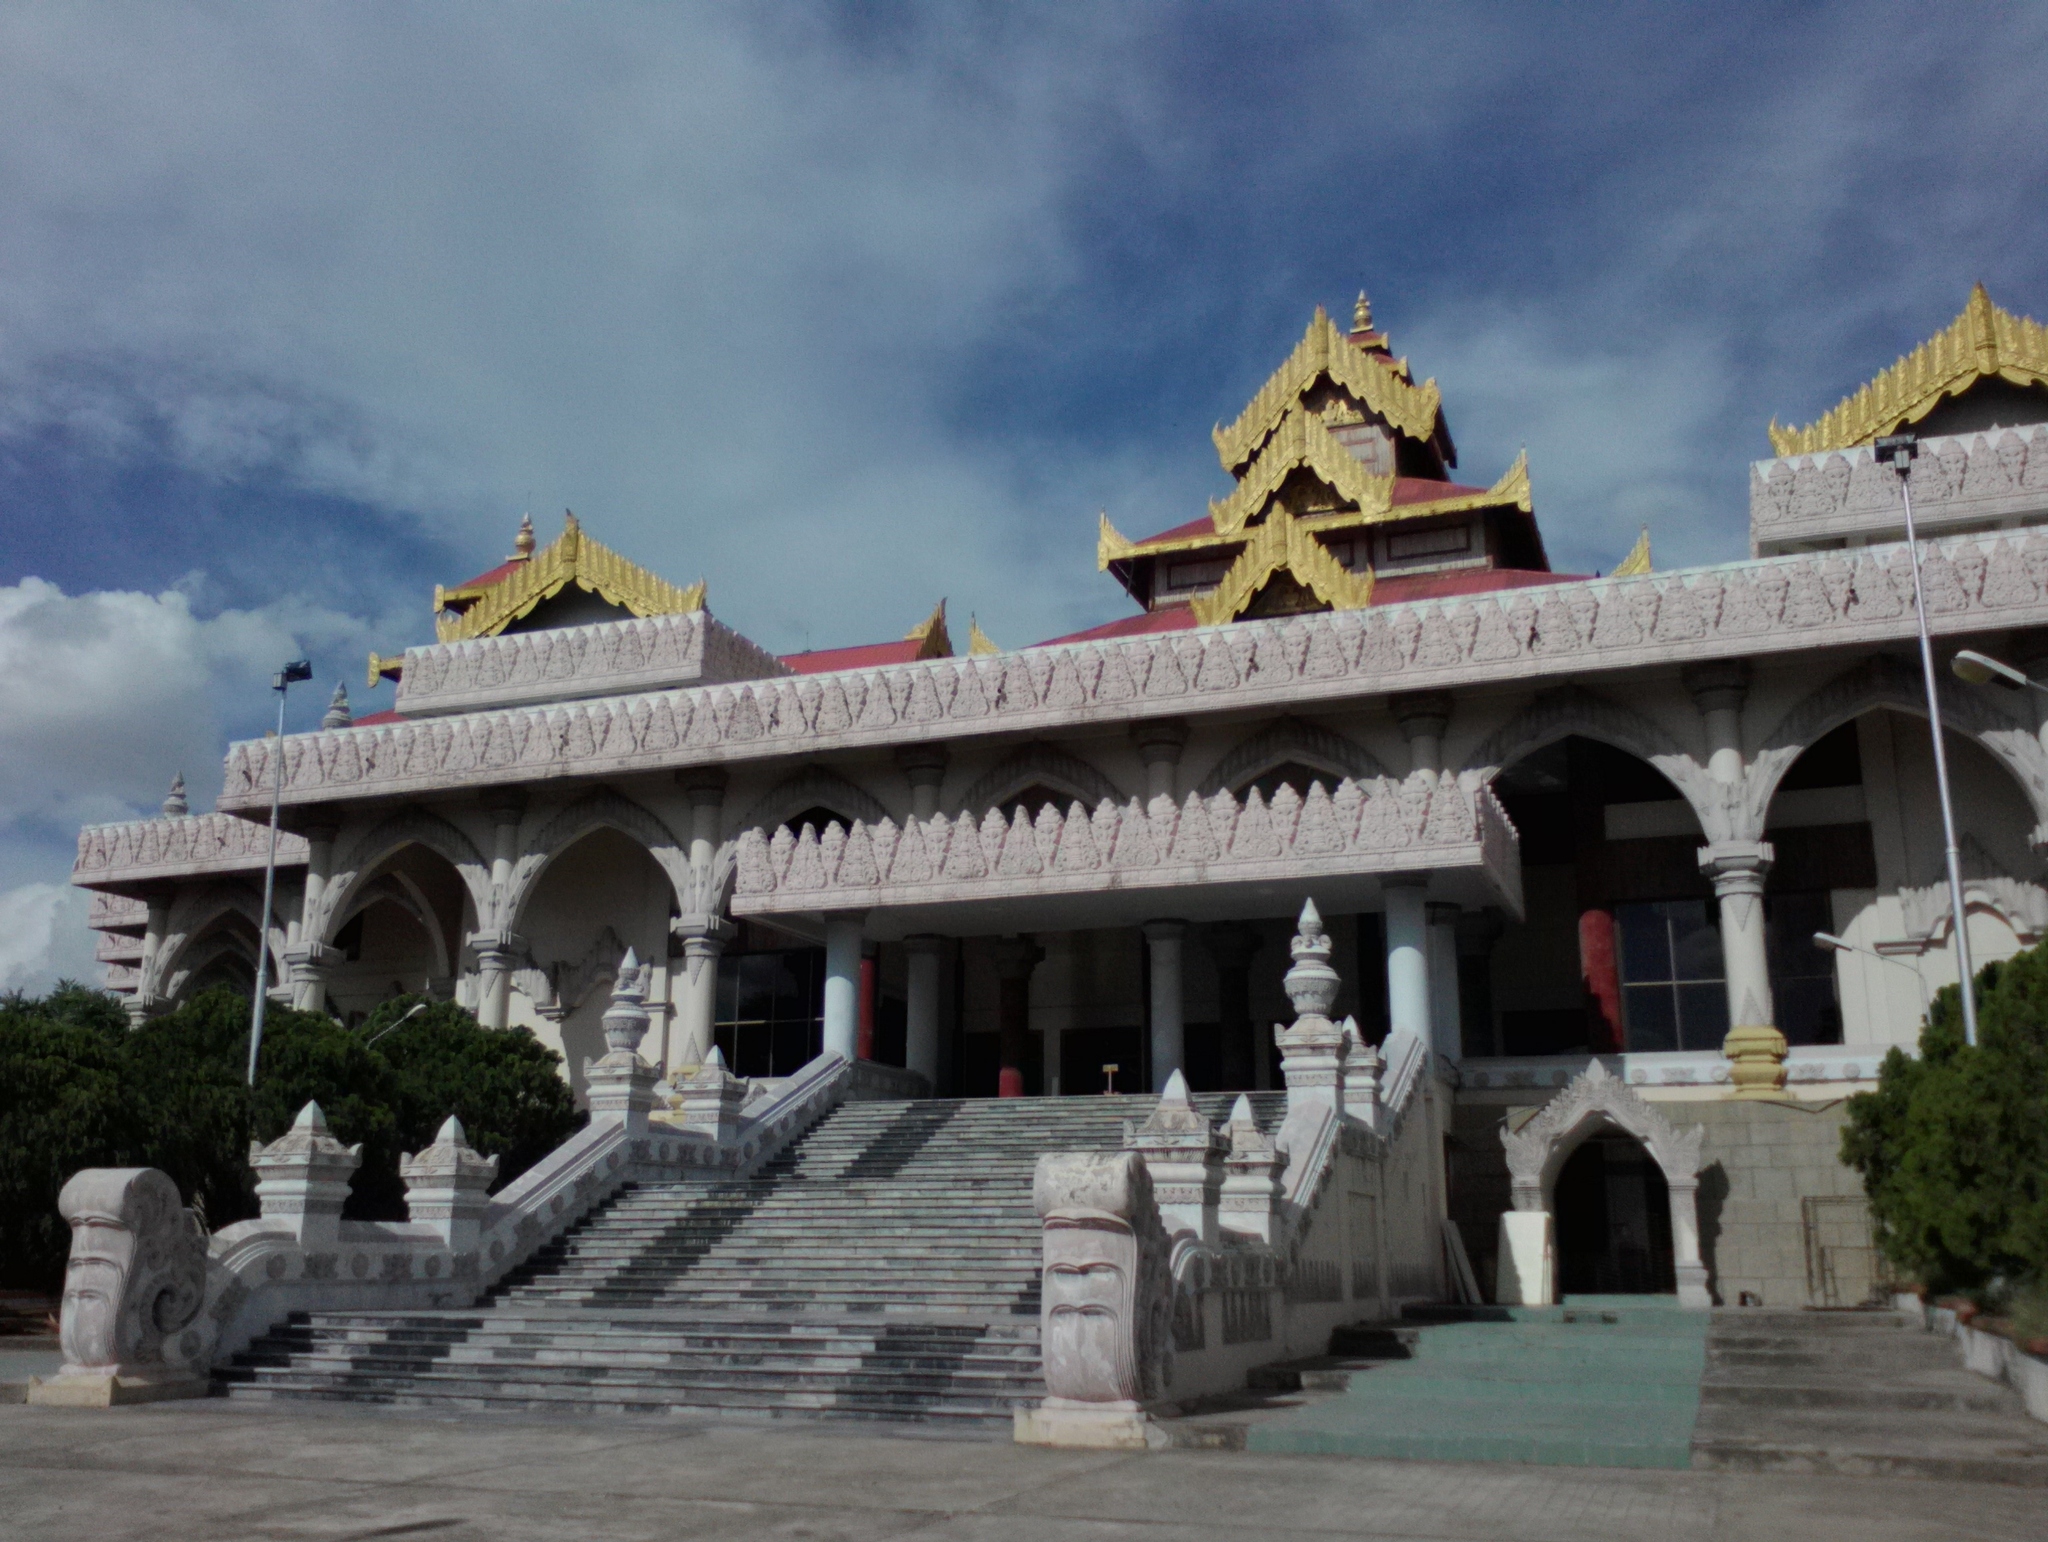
{"points": [[522, 543], [484, 610], [931, 635], [979, 643], [1361, 314], [1983, 343], [1637, 562]]}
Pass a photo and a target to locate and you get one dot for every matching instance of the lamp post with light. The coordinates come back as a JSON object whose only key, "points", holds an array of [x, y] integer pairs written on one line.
{"points": [[1898, 451], [281, 682]]}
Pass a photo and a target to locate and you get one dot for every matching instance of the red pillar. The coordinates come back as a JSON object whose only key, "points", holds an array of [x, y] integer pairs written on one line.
{"points": [[864, 1030], [1599, 967], [1016, 957]]}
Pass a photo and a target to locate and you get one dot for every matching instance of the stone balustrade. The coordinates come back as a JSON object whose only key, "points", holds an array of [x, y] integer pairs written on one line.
{"points": [[1743, 609], [1374, 826], [605, 659], [190, 846], [1960, 480]]}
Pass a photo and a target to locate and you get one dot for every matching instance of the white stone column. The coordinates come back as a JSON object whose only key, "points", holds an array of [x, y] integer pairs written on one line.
{"points": [[1162, 944], [1159, 744], [1423, 716], [696, 991], [1446, 1015], [842, 983], [921, 1006], [148, 974], [319, 867], [1754, 1046], [1408, 958], [497, 949], [924, 767]]}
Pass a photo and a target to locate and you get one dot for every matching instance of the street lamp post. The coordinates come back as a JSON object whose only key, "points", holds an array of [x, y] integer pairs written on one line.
{"points": [[1834, 944], [1898, 451], [281, 682]]}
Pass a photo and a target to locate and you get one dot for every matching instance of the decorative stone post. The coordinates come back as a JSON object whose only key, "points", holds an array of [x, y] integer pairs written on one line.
{"points": [[1754, 1047], [1015, 958], [308, 965], [704, 939], [1363, 1066], [302, 1178], [136, 1277], [1250, 1205], [710, 1098], [842, 985], [1407, 925], [621, 1085], [1312, 1048], [1184, 1154], [447, 1187], [1105, 1318], [1168, 1030], [922, 956]]}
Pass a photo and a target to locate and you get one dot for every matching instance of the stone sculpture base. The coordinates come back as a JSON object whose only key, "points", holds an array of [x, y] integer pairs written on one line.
{"points": [[1089, 1426], [114, 1391]]}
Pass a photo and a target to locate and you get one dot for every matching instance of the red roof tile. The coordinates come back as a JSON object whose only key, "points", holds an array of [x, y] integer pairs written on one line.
{"points": [[1406, 490], [867, 656], [496, 575], [372, 719]]}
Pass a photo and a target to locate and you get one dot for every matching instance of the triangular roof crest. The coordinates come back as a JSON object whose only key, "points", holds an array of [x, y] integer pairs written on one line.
{"points": [[484, 607], [1983, 343]]}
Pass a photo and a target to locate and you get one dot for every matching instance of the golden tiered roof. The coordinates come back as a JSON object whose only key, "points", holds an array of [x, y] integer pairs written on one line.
{"points": [[486, 606], [1983, 343], [1379, 382]]}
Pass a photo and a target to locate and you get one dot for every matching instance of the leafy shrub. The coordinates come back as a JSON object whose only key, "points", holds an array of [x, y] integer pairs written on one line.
{"points": [[78, 1088], [1953, 1146]]}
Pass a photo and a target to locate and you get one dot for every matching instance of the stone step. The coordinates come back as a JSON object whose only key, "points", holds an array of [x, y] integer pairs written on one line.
{"points": [[965, 1379]]}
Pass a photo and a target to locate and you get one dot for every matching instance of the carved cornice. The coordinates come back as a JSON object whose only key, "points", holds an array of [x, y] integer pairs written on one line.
{"points": [[1360, 828], [571, 558], [178, 848], [1282, 542], [1983, 343], [1377, 382], [1961, 479], [1540, 635]]}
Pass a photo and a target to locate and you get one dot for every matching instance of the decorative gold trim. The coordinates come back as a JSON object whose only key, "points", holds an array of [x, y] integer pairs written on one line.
{"points": [[1301, 440], [1282, 542], [1380, 383], [979, 644], [931, 634], [1983, 342], [571, 558], [382, 668], [1637, 562]]}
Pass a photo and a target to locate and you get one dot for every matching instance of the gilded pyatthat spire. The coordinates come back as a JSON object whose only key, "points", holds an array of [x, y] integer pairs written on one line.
{"points": [[522, 543], [1361, 314]]}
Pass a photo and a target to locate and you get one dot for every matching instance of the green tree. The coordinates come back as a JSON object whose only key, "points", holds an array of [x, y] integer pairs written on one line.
{"points": [[1953, 1146]]}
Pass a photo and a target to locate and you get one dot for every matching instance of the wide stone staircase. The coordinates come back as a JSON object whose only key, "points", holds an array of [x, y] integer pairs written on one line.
{"points": [[885, 1266]]}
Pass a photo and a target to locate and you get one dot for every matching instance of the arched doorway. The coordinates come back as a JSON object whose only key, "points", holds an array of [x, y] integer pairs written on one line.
{"points": [[1613, 1215], [399, 933]]}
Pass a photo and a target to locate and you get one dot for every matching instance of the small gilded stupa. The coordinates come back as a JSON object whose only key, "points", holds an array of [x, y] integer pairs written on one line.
{"points": [[1342, 464]]}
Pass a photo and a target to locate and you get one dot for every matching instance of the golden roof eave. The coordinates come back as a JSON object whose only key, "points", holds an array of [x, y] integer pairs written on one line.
{"points": [[1510, 491], [1378, 382], [1300, 440], [1282, 542], [1983, 343], [572, 558], [931, 636]]}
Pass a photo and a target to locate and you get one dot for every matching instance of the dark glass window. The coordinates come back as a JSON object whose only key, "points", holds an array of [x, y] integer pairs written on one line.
{"points": [[1672, 986], [1802, 976], [771, 1010]]}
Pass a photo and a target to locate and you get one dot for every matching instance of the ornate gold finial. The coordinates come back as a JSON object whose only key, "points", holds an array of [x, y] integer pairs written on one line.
{"points": [[382, 668], [979, 643], [1361, 314], [522, 543], [934, 641], [1637, 562]]}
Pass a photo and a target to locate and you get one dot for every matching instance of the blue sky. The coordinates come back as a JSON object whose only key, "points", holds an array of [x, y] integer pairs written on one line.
{"points": [[846, 308]]}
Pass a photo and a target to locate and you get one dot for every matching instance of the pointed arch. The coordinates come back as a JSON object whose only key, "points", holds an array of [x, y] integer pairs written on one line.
{"points": [[1884, 681], [1573, 710], [602, 809], [1291, 739], [401, 889], [193, 916], [1594, 1100], [812, 785], [1040, 762], [409, 827]]}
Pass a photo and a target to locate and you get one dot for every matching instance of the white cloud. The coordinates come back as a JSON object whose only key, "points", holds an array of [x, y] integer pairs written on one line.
{"points": [[43, 938]]}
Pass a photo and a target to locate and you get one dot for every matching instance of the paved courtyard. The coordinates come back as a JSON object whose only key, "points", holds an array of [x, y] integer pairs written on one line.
{"points": [[222, 1472]]}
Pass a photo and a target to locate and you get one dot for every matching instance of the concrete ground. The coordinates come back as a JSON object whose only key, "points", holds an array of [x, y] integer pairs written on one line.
{"points": [[224, 1472]]}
